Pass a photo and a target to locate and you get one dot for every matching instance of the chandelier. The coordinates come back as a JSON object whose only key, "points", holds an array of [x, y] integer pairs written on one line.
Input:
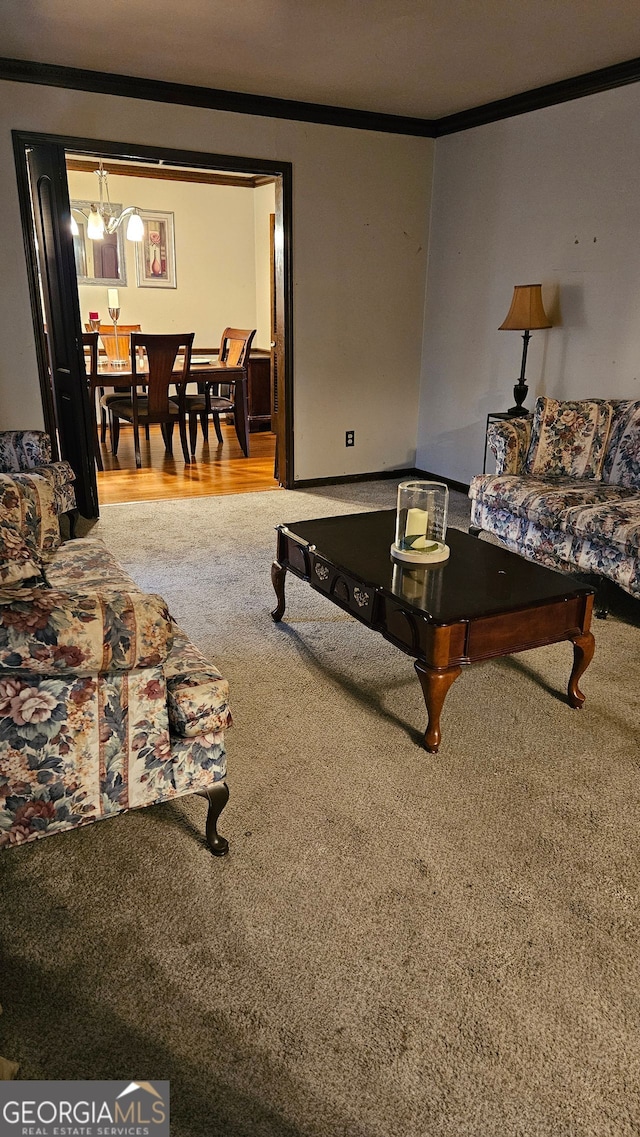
{"points": [[101, 218]]}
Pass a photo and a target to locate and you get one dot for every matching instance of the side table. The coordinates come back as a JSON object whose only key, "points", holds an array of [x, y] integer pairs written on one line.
{"points": [[497, 416]]}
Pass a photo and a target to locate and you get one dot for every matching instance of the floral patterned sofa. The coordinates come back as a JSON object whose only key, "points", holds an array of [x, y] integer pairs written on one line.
{"points": [[105, 705], [566, 491]]}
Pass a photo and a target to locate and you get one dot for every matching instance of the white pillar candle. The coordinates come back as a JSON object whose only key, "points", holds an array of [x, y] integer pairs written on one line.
{"points": [[416, 523], [113, 298]]}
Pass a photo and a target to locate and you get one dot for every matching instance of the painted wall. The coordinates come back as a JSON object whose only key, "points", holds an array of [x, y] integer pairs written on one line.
{"points": [[216, 258], [549, 197], [360, 218]]}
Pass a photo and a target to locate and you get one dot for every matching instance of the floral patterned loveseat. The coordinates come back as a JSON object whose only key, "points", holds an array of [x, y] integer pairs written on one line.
{"points": [[566, 491], [105, 705]]}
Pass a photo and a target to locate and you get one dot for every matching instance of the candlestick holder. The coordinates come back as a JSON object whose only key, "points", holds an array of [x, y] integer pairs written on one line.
{"points": [[421, 523], [94, 323], [117, 362]]}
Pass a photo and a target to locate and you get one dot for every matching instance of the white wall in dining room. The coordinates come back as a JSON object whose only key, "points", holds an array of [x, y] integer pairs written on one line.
{"points": [[218, 261]]}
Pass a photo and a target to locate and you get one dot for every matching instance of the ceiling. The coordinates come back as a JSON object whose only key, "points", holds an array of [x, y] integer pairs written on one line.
{"points": [[423, 58]]}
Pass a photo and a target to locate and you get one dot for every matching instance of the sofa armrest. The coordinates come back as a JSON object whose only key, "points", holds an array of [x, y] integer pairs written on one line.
{"points": [[24, 449], [51, 632], [509, 442], [29, 452], [28, 501], [61, 477], [197, 695]]}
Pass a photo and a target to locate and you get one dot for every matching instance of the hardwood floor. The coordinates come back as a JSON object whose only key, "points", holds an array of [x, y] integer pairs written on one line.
{"points": [[217, 469]]}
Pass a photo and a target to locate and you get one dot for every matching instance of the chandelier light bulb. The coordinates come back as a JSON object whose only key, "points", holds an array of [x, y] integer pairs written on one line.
{"points": [[95, 225], [135, 227], [102, 218]]}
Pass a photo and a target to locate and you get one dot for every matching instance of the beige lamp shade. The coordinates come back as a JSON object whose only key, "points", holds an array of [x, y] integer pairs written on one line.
{"points": [[526, 311]]}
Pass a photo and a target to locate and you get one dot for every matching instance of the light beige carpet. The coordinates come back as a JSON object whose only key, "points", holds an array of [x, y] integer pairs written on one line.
{"points": [[399, 944]]}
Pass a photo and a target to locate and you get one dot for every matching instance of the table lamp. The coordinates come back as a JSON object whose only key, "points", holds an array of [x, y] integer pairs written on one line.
{"points": [[526, 312]]}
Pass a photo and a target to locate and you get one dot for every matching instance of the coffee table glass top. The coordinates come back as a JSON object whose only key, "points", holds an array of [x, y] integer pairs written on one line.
{"points": [[478, 579]]}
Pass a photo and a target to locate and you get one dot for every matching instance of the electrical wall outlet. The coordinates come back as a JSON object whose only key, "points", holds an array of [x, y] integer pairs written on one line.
{"points": [[350, 438]]}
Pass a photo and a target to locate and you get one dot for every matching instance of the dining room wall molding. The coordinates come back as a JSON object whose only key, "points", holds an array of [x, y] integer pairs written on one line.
{"points": [[158, 90], [170, 174]]}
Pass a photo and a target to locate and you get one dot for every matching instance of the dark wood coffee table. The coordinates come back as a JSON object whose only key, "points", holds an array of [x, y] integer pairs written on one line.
{"points": [[483, 602]]}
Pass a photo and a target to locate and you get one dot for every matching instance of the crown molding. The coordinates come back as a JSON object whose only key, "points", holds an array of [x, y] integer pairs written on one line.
{"points": [[591, 83], [158, 91]]}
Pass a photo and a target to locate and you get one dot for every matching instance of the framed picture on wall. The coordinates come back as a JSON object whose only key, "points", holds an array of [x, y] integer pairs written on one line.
{"points": [[98, 262], [156, 253]]}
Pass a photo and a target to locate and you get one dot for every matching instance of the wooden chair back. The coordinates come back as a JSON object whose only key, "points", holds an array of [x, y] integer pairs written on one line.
{"points": [[90, 341], [161, 352], [119, 349], [235, 346]]}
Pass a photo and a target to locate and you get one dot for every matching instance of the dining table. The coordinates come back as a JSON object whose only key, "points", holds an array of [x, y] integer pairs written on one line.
{"points": [[203, 369]]}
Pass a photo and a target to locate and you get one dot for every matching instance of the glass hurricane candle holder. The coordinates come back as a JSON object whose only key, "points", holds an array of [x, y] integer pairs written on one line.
{"points": [[421, 523]]}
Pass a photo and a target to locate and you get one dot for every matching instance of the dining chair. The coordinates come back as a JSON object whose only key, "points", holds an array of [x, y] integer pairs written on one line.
{"points": [[90, 345], [235, 348], [115, 347], [157, 405]]}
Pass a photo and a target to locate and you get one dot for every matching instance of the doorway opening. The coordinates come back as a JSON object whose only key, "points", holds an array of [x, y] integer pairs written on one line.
{"points": [[212, 272]]}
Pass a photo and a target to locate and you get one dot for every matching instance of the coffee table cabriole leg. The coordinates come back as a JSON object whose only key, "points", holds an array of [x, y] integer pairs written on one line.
{"points": [[583, 649], [278, 576], [435, 685]]}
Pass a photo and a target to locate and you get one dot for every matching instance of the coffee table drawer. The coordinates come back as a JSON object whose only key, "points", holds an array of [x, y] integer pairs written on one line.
{"points": [[351, 594], [532, 627]]}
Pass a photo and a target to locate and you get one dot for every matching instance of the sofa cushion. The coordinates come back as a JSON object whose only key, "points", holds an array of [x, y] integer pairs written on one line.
{"points": [[558, 550], [543, 500], [16, 558], [48, 632], [84, 564], [616, 523], [622, 460], [568, 439], [197, 695]]}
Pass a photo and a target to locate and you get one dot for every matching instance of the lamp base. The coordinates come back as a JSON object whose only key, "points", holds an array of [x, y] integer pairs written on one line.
{"points": [[519, 393]]}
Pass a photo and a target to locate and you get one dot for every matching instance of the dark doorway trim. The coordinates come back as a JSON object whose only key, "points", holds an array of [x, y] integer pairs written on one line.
{"points": [[26, 220], [194, 158]]}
